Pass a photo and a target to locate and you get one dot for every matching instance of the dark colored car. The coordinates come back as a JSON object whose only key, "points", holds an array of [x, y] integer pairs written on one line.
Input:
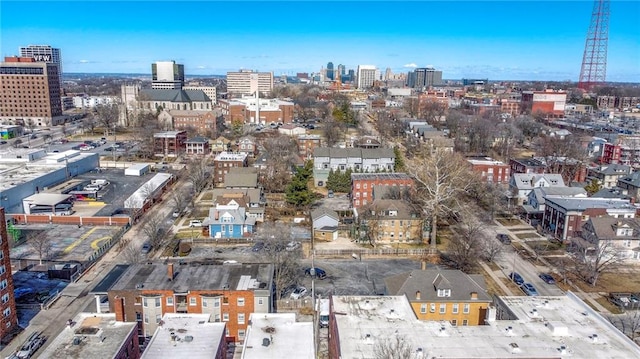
{"points": [[516, 278], [319, 273], [146, 248], [504, 238], [258, 246], [547, 278]]}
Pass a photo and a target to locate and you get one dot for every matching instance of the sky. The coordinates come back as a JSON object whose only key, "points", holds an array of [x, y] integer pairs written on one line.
{"points": [[499, 40]]}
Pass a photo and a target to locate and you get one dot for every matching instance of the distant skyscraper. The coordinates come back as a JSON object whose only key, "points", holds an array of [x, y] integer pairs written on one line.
{"points": [[366, 76], [341, 70], [424, 77], [44, 53], [388, 74], [167, 75], [330, 74]]}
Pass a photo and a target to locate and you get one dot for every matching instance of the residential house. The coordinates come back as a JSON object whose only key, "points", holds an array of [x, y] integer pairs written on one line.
{"points": [[431, 136], [630, 185], [625, 150], [521, 184], [366, 142], [187, 335], [357, 159], [287, 337], [238, 200], [324, 224], [247, 145], [306, 145], [230, 221], [362, 185], [391, 221], [535, 203], [169, 143], [220, 144], [443, 295], [94, 335], [564, 217], [225, 161], [622, 233], [241, 177], [527, 165], [198, 146], [291, 129], [608, 174], [490, 170], [615, 192], [145, 292]]}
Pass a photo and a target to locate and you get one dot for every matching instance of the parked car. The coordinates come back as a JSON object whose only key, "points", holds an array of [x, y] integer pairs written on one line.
{"points": [[146, 248], [529, 289], [299, 292], [3, 142], [547, 278], [330, 194], [292, 246], [258, 247], [319, 272], [176, 214], [504, 238], [31, 346], [516, 278], [195, 223]]}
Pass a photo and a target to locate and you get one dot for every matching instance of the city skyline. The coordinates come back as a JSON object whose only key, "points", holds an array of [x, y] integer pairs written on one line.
{"points": [[500, 40]]}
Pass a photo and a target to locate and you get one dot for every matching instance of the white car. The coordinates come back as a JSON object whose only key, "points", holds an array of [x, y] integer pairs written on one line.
{"points": [[298, 293], [195, 223]]}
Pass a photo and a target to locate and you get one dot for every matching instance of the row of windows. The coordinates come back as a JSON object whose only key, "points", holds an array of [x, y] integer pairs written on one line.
{"points": [[455, 307], [156, 302]]}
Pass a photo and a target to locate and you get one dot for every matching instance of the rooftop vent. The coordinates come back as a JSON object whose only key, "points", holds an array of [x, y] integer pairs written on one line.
{"points": [[594, 338], [188, 338], [563, 349], [266, 342], [534, 312]]}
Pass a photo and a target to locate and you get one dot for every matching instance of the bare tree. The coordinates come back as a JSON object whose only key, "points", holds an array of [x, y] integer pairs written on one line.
{"points": [[47, 138], [432, 111], [371, 224], [108, 115], [41, 244], [275, 237], [332, 131], [466, 245], [396, 347], [198, 174], [491, 249], [30, 124], [89, 123], [180, 201], [154, 231], [592, 260], [17, 143], [442, 178], [131, 253], [282, 156], [628, 323]]}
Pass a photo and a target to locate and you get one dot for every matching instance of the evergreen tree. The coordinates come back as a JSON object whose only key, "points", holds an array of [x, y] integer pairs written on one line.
{"points": [[398, 165], [333, 180], [298, 192]]}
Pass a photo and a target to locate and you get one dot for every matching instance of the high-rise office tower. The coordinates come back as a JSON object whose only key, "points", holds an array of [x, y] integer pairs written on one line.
{"points": [[167, 75], [247, 82], [366, 76], [424, 77], [44, 53], [330, 74]]}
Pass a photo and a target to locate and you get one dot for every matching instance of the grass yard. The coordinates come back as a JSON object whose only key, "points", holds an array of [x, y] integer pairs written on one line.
{"points": [[492, 287], [508, 222], [521, 229], [207, 196], [614, 309], [527, 235]]}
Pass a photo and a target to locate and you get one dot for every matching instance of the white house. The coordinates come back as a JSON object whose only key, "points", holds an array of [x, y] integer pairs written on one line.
{"points": [[521, 184]]}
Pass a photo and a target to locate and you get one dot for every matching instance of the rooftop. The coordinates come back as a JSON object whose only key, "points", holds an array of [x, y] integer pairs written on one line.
{"points": [[380, 176], [427, 282], [484, 161], [579, 204], [538, 327], [185, 336], [168, 134], [283, 336], [196, 276], [100, 336], [230, 156]]}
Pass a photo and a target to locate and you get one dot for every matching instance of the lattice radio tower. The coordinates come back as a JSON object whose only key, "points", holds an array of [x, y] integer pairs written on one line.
{"points": [[594, 60]]}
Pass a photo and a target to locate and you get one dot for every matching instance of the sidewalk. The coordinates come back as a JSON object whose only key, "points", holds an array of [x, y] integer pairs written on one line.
{"points": [[496, 279]]}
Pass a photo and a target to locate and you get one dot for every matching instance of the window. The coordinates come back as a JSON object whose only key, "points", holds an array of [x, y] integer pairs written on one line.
{"points": [[157, 302], [364, 186], [260, 301], [240, 333], [5, 298], [454, 323], [158, 318], [423, 308], [443, 308], [433, 308], [216, 318], [444, 292], [240, 318], [144, 302], [169, 300], [465, 322], [466, 308], [225, 317], [455, 308], [240, 302], [222, 228], [146, 318], [205, 303], [357, 185], [192, 301]]}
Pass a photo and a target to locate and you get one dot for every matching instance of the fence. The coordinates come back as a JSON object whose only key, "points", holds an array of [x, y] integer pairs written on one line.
{"points": [[293, 304], [373, 252], [75, 220]]}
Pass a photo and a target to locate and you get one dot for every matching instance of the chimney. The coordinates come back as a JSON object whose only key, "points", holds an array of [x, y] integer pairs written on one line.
{"points": [[474, 295], [418, 295], [423, 265], [119, 309], [170, 271]]}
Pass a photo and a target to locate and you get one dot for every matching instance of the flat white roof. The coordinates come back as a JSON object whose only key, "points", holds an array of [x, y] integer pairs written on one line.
{"points": [[101, 336], [557, 322], [188, 336], [230, 156], [287, 338], [46, 199], [136, 200], [138, 166]]}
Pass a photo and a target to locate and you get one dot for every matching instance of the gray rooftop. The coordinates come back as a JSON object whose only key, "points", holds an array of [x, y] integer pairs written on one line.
{"points": [[380, 176], [353, 152], [196, 276], [173, 95], [323, 211], [100, 337], [581, 204], [632, 179], [428, 281], [241, 177], [198, 139]]}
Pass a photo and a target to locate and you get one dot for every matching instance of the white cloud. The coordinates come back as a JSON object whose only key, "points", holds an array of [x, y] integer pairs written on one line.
{"points": [[84, 61], [202, 67], [411, 65]]}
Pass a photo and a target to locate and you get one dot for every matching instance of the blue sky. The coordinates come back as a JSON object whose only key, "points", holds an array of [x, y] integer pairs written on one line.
{"points": [[537, 40]]}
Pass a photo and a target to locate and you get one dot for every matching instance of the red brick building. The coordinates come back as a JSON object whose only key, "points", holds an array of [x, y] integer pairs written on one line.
{"points": [[169, 143], [228, 293], [204, 122], [224, 161], [246, 110], [307, 143], [526, 165], [490, 170], [362, 185], [548, 103], [9, 321]]}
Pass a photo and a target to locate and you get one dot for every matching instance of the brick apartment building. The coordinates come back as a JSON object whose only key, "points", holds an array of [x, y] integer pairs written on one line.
{"points": [[362, 185], [9, 321], [526, 165], [549, 103], [246, 110], [224, 161], [228, 293], [198, 146], [204, 122], [169, 143], [490, 170], [307, 143], [510, 106], [30, 92]]}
